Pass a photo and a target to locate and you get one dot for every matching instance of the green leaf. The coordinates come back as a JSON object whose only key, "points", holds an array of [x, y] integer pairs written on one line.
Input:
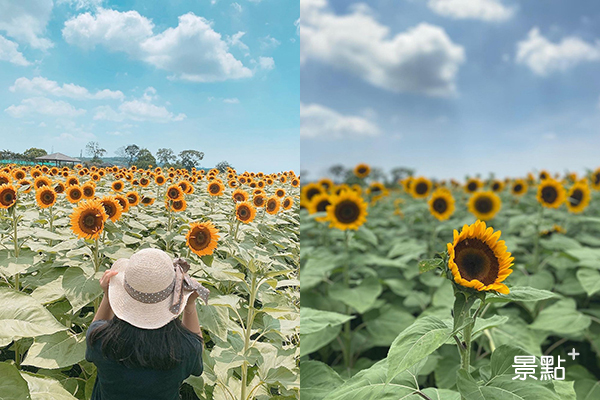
{"points": [[312, 342], [431, 264], [12, 385], [415, 343], [562, 318], [80, 289], [215, 319], [565, 390], [590, 280], [587, 389], [59, 350], [390, 320], [317, 380], [486, 323], [44, 388], [22, 316], [361, 297], [315, 320], [522, 293], [365, 234]]}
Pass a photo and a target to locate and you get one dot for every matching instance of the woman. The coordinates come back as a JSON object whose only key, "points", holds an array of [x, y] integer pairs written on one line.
{"points": [[141, 349]]}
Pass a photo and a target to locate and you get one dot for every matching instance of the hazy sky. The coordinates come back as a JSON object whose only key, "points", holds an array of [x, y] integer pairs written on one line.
{"points": [[451, 87], [218, 76]]}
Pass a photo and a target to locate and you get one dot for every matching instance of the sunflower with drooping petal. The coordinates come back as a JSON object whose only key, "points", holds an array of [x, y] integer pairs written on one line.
{"points": [[8, 195], [112, 207], [420, 187], [287, 203], [133, 198], [578, 197], [45, 197], [441, 204], [59, 187], [177, 205], [74, 194], [123, 202], [245, 212], [41, 181], [26, 185], [346, 211], [272, 206], [87, 219], [362, 170], [215, 188], [240, 195], [174, 193], [484, 205], [519, 187], [551, 193], [478, 259], [72, 181], [147, 201], [202, 238]]}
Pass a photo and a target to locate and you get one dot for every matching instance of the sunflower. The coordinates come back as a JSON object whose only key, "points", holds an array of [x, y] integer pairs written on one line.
{"points": [[519, 187], [177, 205], [72, 181], [362, 170], [596, 179], [45, 197], [287, 203], [74, 194], [122, 201], [174, 193], [309, 191], [41, 181], [551, 193], [245, 212], [319, 203], [147, 201], [544, 175], [280, 192], [89, 191], [202, 238], [478, 260], [579, 197], [144, 182], [160, 180], [240, 195], [346, 211], [8, 195], [18, 174], [215, 188], [133, 198], [295, 182], [273, 205], [441, 204], [420, 187], [112, 207], [497, 186], [87, 219], [26, 185], [472, 185], [484, 205], [59, 187]]}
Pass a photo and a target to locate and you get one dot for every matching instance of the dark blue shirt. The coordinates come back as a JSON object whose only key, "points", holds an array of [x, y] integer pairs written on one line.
{"points": [[115, 381]]}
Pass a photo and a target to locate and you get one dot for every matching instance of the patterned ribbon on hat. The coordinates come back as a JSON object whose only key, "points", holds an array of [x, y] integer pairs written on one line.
{"points": [[181, 283]]}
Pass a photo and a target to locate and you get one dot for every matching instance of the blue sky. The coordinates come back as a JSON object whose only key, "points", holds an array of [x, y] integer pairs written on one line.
{"points": [[450, 87], [217, 76]]}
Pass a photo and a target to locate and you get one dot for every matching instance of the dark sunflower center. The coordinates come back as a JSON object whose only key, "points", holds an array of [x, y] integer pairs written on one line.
{"points": [[89, 221], [440, 205], [75, 194], [178, 205], [173, 193], [279, 193], [239, 197], [286, 203], [549, 194], [110, 210], [421, 188], [518, 188], [322, 205], [259, 201], [47, 198], [375, 189], [362, 170], [476, 260], [88, 192], [201, 239], [484, 205], [312, 193], [131, 198], [597, 178], [576, 197], [271, 205], [347, 212], [8, 197], [472, 186], [214, 188], [495, 186], [243, 212]]}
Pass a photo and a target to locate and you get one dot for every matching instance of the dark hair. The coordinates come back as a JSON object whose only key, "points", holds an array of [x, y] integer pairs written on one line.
{"points": [[161, 349]]}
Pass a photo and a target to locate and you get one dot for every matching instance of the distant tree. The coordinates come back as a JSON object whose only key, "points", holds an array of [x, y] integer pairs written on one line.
{"points": [[190, 158], [94, 150], [337, 171], [377, 174], [166, 157], [399, 173], [223, 165], [131, 153], [34, 152], [144, 159]]}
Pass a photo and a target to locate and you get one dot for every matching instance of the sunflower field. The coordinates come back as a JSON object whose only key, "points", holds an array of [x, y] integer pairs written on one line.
{"points": [[61, 228], [424, 289]]}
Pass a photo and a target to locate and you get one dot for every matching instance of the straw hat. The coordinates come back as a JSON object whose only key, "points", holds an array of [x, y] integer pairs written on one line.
{"points": [[150, 289]]}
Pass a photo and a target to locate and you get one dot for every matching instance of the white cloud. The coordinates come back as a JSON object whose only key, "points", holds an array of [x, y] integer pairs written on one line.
{"points": [[269, 42], [423, 59], [138, 110], [43, 86], [544, 57], [485, 10], [234, 40], [26, 20], [317, 121], [237, 7], [233, 100], [192, 50], [44, 106], [82, 4], [266, 63], [9, 52]]}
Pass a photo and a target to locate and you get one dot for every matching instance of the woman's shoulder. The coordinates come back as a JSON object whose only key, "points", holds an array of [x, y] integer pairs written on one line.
{"points": [[93, 326]]}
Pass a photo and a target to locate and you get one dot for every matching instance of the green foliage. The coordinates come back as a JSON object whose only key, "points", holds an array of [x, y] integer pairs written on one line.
{"points": [[34, 152]]}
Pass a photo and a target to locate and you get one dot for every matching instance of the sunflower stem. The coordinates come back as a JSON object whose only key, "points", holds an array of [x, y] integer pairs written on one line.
{"points": [[536, 239], [15, 235], [347, 327], [237, 227], [96, 258]]}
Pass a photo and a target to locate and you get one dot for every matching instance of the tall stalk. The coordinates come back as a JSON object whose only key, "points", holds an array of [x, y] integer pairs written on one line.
{"points": [[536, 239], [248, 333], [347, 328]]}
